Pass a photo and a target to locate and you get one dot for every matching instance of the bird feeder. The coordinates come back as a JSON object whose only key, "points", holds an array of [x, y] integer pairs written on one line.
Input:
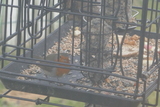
{"points": [[113, 47]]}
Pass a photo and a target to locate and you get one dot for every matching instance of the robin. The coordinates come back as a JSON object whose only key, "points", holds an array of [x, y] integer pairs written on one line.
{"points": [[55, 71]]}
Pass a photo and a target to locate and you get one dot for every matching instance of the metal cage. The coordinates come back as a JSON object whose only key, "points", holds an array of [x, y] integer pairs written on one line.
{"points": [[112, 45]]}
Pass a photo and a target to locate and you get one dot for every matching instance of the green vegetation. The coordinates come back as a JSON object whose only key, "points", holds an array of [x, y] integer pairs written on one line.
{"points": [[4, 102], [152, 99], [151, 15]]}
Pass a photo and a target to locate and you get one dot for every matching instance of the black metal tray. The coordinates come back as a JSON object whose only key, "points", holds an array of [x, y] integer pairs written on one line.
{"points": [[47, 86]]}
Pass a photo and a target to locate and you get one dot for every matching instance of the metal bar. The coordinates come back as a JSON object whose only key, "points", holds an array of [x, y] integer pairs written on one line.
{"points": [[65, 83], [38, 101], [74, 13], [6, 93], [81, 67], [141, 45]]}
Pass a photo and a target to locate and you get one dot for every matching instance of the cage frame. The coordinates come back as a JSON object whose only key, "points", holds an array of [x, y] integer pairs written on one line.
{"points": [[99, 100]]}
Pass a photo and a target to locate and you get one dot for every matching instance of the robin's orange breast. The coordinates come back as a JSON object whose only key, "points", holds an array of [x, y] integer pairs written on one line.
{"points": [[62, 71]]}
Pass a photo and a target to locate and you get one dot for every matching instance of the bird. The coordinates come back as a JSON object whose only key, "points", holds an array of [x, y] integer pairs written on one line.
{"points": [[54, 71]]}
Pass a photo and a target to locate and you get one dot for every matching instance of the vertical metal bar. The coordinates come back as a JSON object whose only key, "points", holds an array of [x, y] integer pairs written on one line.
{"points": [[24, 21], [103, 37], [45, 37], [74, 16], [81, 39], [59, 30], [143, 29], [144, 89], [5, 32], [50, 15], [0, 6], [11, 11], [87, 37], [150, 28], [157, 31], [88, 48], [99, 45], [18, 28], [32, 13], [140, 56], [157, 91]]}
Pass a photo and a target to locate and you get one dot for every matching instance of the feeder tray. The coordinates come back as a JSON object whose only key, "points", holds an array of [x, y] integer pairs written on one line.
{"points": [[48, 86], [67, 86]]}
